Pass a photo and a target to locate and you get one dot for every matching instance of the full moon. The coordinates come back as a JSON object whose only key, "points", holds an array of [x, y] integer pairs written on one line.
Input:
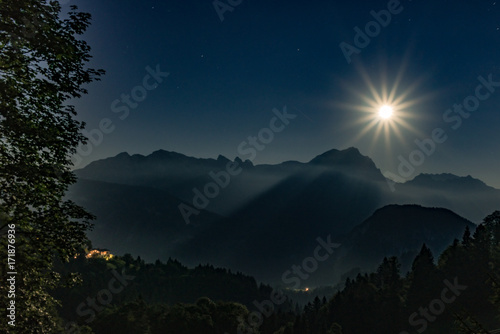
{"points": [[385, 112]]}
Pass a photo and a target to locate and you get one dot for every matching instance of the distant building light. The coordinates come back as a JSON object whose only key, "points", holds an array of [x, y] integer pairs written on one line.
{"points": [[102, 253]]}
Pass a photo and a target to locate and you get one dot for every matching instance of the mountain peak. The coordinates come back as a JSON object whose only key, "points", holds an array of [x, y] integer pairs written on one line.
{"points": [[222, 158], [122, 155], [439, 177], [246, 163], [349, 160], [165, 154], [450, 180], [411, 216], [350, 154], [400, 230]]}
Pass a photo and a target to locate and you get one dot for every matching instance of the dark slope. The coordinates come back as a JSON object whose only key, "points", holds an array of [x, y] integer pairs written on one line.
{"points": [[400, 230], [467, 196], [135, 219]]}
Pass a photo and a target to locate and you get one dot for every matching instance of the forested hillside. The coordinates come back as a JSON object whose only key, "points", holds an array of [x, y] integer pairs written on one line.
{"points": [[456, 292]]}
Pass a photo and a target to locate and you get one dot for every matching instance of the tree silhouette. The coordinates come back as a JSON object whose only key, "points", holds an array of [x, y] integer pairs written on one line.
{"points": [[42, 67], [420, 292]]}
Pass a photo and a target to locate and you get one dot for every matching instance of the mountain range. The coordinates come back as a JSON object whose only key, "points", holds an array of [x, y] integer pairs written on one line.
{"points": [[262, 219]]}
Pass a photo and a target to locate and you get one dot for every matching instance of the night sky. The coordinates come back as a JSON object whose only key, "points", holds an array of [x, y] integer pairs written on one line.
{"points": [[226, 77]]}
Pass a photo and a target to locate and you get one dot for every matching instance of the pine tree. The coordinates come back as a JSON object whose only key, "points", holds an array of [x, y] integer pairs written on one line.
{"points": [[424, 278]]}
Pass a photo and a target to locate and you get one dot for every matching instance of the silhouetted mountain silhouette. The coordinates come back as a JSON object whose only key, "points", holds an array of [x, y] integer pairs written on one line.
{"points": [[400, 230], [267, 218]]}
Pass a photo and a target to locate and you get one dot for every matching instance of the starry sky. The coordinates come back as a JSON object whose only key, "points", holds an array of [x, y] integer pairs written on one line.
{"points": [[229, 67]]}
